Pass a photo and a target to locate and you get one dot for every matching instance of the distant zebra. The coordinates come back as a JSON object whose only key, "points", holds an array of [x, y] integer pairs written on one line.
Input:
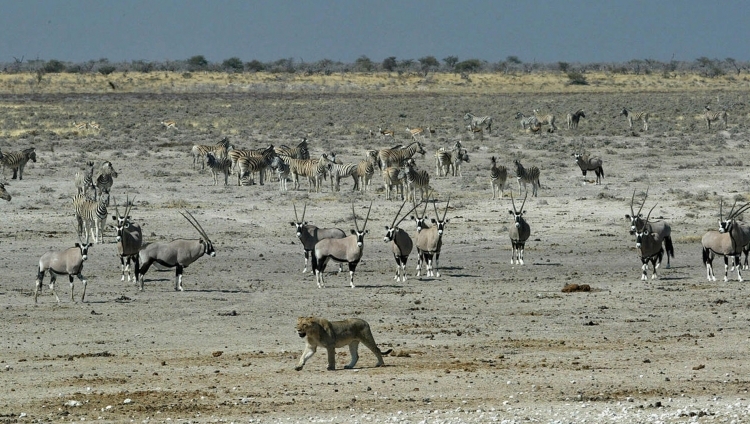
{"points": [[394, 178], [547, 119], [524, 175], [446, 160], [249, 165], [282, 171], [91, 215], [105, 179], [709, 116], [338, 171], [397, 156], [85, 180], [498, 176], [314, 169], [479, 121], [573, 118], [363, 174], [637, 116], [300, 151], [17, 161], [235, 155], [416, 179], [526, 121], [199, 151], [217, 165]]}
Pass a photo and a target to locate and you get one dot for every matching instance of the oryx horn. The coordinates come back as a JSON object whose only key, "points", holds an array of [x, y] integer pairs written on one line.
{"points": [[356, 225], [194, 222], [395, 224]]}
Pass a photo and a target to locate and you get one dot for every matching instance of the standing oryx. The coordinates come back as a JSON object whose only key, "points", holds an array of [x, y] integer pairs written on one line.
{"points": [[430, 241], [728, 241], [348, 249], [176, 254], [310, 235], [587, 163], [401, 243], [519, 231], [129, 239], [66, 262], [650, 247], [661, 230]]}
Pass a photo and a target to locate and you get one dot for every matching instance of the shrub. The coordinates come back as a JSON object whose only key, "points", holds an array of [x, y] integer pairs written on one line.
{"points": [[233, 64], [577, 78], [54, 67], [107, 69]]}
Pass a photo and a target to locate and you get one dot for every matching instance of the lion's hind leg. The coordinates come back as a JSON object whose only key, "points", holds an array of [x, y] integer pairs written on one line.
{"points": [[369, 341], [354, 352], [331, 358]]}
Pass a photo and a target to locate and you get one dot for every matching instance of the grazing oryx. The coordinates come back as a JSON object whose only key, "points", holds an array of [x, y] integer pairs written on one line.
{"points": [[498, 176], [709, 116], [401, 243], [587, 163], [430, 241], [573, 118], [527, 175], [66, 262], [310, 235], [660, 229], [4, 193], [650, 246], [637, 116], [176, 254], [728, 241], [348, 249], [519, 231], [129, 239]]}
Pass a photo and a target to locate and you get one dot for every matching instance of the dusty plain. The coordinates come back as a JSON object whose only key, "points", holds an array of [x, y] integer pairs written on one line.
{"points": [[487, 341]]}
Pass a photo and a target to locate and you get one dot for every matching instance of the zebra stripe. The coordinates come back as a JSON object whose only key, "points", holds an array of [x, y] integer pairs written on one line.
{"points": [[547, 119], [314, 169], [573, 118], [338, 171], [709, 116], [363, 174], [218, 165], [524, 175], [526, 121], [416, 179], [199, 151], [637, 116], [479, 121], [105, 179], [85, 180], [236, 155], [282, 171], [249, 165], [397, 156], [6, 196], [394, 178], [17, 161], [498, 176], [298, 152], [91, 215]]}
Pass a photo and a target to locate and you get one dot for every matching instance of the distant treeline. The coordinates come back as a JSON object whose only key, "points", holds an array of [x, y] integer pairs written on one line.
{"points": [[452, 64]]}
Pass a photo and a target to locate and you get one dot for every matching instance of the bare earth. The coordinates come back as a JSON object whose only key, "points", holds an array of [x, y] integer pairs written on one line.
{"points": [[487, 341]]}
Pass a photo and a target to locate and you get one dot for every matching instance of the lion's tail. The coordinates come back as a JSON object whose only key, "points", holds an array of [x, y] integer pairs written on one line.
{"points": [[387, 352]]}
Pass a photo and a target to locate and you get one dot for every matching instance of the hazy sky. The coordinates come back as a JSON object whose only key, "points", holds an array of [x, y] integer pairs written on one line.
{"points": [[311, 30]]}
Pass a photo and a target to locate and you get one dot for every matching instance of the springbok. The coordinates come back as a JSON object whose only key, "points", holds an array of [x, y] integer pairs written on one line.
{"points": [[587, 163], [650, 247], [728, 241], [660, 229], [430, 242], [348, 249], [519, 231], [129, 239], [310, 235], [176, 254], [66, 262], [401, 243]]}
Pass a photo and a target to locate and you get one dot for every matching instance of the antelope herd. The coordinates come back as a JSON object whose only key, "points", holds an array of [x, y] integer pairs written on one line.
{"points": [[400, 172]]}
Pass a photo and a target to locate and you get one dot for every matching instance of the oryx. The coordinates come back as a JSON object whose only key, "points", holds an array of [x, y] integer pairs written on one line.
{"points": [[401, 243], [728, 241], [587, 163], [348, 249], [310, 235], [66, 262], [176, 254], [519, 231], [660, 229], [650, 248], [129, 239], [430, 241]]}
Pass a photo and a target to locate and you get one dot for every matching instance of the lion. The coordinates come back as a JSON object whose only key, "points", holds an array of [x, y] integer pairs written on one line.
{"points": [[333, 334]]}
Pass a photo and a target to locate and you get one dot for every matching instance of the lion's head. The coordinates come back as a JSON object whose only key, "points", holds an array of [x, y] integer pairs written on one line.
{"points": [[307, 325]]}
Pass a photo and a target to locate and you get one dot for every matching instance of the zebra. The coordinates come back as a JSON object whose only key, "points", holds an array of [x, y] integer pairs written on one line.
{"points": [[526, 121], [105, 179], [397, 156], [394, 178], [314, 169], [236, 154], [85, 180], [709, 116], [337, 171], [479, 121], [637, 116], [282, 171], [573, 118], [298, 152], [199, 151], [524, 175], [91, 215], [416, 179], [363, 174], [498, 176], [17, 161], [249, 165], [548, 119], [220, 164]]}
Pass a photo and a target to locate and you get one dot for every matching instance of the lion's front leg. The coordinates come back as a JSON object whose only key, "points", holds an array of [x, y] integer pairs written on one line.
{"points": [[309, 351], [331, 358], [353, 351]]}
